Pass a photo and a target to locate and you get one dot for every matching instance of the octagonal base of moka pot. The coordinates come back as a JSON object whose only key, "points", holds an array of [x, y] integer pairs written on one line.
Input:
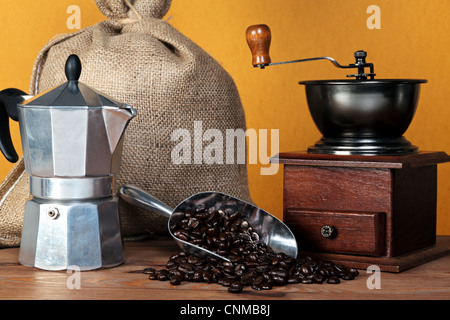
{"points": [[61, 235]]}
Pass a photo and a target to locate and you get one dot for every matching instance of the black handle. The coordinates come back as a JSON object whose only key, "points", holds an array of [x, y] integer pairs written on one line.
{"points": [[9, 99], [73, 68]]}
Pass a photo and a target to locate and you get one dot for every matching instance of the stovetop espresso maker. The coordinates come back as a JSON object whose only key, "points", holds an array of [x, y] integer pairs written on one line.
{"points": [[72, 138]]}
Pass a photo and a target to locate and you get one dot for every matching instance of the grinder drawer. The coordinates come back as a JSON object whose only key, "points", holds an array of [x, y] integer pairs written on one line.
{"points": [[338, 232]]}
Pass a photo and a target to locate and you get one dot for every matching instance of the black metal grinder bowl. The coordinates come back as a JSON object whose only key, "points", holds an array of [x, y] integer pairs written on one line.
{"points": [[360, 116]]}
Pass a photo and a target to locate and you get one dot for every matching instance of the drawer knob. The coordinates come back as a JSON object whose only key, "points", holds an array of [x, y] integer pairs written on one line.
{"points": [[327, 231]]}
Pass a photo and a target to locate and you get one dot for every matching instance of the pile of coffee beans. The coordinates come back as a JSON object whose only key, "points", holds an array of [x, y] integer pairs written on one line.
{"points": [[251, 262]]}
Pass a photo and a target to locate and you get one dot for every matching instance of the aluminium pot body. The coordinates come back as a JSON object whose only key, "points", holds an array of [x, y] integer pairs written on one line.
{"points": [[72, 141]]}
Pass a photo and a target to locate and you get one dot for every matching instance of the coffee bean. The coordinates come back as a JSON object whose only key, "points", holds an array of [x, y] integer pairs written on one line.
{"points": [[207, 276], [236, 287], [355, 272], [186, 267], [175, 272], [198, 276], [264, 267], [253, 257], [176, 280], [257, 286], [235, 258], [235, 215], [229, 270], [152, 275], [260, 279], [279, 280], [180, 236], [248, 278], [348, 276], [162, 275], [267, 285], [239, 270], [293, 279], [223, 237], [276, 260], [225, 282], [193, 223], [171, 264], [279, 272], [149, 271], [305, 269], [227, 264], [202, 215], [333, 280], [307, 280], [317, 278]]}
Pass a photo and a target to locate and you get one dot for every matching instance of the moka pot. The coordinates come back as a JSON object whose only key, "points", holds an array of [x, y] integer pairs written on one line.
{"points": [[72, 138]]}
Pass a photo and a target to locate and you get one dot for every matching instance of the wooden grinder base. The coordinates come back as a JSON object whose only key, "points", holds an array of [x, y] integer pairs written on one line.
{"points": [[363, 210]]}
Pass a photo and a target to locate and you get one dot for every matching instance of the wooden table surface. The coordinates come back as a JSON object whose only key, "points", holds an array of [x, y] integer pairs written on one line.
{"points": [[428, 281]]}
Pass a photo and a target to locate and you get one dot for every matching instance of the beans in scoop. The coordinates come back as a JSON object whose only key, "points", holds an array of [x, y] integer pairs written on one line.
{"points": [[252, 263]]}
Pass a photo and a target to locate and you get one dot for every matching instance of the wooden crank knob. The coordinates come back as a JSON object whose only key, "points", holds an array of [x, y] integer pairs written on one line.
{"points": [[258, 39]]}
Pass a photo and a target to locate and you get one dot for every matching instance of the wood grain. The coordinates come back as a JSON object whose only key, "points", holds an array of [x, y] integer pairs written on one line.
{"points": [[428, 281], [340, 189], [356, 232], [414, 204], [423, 158], [258, 39], [404, 188]]}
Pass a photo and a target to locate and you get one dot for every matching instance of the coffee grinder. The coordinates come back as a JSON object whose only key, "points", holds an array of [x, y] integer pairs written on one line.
{"points": [[72, 139], [363, 194]]}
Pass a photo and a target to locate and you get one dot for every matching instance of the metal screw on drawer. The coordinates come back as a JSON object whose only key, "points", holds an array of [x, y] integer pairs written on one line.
{"points": [[53, 213], [327, 231]]}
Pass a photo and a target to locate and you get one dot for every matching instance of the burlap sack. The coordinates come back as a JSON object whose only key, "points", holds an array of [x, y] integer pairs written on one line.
{"points": [[14, 192], [139, 59]]}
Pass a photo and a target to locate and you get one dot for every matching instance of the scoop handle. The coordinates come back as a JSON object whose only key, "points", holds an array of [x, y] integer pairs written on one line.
{"points": [[258, 39], [135, 196]]}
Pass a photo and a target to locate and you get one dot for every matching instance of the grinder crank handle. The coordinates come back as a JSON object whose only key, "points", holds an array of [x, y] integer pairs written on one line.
{"points": [[9, 99], [258, 39]]}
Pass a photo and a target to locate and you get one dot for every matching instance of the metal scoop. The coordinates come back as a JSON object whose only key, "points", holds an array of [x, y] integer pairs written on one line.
{"points": [[271, 230]]}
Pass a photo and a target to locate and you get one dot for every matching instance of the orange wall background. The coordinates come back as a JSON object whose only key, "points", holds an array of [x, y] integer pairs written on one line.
{"points": [[413, 42]]}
